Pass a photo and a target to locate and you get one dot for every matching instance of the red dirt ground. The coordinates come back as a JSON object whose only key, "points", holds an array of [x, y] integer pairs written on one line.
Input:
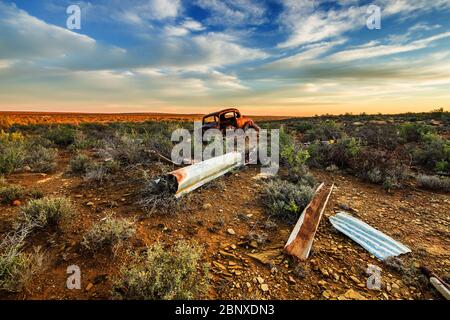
{"points": [[419, 219]]}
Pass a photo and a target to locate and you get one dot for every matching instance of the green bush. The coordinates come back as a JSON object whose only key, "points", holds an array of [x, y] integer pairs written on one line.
{"points": [[40, 213], [16, 267], [100, 172], [434, 154], [414, 132], [109, 232], [286, 200], [433, 183], [80, 164], [324, 131], [62, 136], [41, 159], [12, 152], [162, 274], [344, 152], [128, 149], [9, 193]]}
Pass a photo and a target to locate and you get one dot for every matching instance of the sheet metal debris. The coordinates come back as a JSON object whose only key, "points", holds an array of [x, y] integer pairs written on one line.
{"points": [[191, 177], [439, 284], [302, 236], [374, 241]]}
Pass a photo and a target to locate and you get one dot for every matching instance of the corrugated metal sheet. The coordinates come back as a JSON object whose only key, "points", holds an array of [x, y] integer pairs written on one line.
{"points": [[374, 241]]}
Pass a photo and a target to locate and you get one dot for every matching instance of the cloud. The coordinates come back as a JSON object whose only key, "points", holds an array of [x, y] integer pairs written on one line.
{"points": [[233, 12], [307, 21], [385, 50]]}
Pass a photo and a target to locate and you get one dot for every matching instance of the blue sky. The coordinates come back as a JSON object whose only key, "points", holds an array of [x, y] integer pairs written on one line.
{"points": [[290, 57]]}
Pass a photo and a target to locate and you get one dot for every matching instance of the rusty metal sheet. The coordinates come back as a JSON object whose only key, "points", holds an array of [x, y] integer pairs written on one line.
{"points": [[194, 176], [302, 236]]}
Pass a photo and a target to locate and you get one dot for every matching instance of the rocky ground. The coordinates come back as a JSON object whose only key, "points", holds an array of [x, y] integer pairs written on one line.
{"points": [[228, 220]]}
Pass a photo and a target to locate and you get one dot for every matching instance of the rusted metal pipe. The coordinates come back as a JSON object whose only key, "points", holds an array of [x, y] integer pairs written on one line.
{"points": [[191, 177]]}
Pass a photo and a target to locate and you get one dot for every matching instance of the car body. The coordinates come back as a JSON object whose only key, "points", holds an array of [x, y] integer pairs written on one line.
{"points": [[230, 118]]}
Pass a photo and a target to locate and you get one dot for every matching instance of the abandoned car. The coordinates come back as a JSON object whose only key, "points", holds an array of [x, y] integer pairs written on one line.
{"points": [[230, 118]]}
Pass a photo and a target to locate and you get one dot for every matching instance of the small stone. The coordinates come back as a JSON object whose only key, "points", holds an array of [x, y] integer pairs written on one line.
{"points": [[264, 287], [90, 204], [233, 246], [89, 286], [395, 287], [352, 294], [291, 279], [231, 231], [324, 271], [253, 244], [207, 206], [260, 279], [326, 294], [27, 169]]}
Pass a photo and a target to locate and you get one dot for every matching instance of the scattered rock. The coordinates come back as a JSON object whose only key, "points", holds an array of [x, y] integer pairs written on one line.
{"points": [[260, 279], [231, 231], [207, 206], [89, 286], [327, 294], [353, 295], [90, 204], [264, 287]]}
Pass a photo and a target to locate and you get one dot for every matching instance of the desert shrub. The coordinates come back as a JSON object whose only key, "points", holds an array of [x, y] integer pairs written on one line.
{"points": [[41, 159], [375, 175], [5, 123], [109, 232], [81, 141], [384, 136], [158, 194], [164, 274], [100, 172], [319, 155], [324, 131], [434, 154], [413, 132], [433, 183], [16, 267], [128, 149], [157, 136], [286, 200], [40, 213], [294, 157], [344, 152], [302, 126], [62, 136], [36, 193], [12, 152], [80, 164], [9, 193]]}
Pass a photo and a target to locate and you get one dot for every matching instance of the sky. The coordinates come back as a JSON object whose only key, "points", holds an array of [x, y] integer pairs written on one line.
{"points": [[274, 57]]}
